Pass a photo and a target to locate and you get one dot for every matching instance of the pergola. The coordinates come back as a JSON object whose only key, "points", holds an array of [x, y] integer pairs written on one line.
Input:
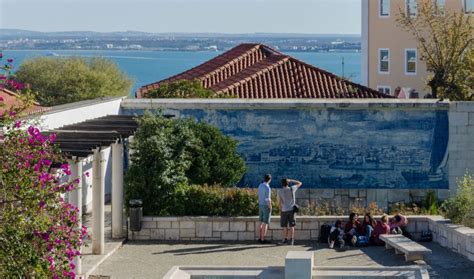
{"points": [[90, 138]]}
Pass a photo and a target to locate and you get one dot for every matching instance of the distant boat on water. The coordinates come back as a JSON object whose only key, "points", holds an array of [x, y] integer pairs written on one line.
{"points": [[52, 54]]}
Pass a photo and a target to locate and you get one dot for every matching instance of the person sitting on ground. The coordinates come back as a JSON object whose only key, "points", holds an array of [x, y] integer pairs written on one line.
{"points": [[336, 235], [353, 229], [286, 199], [381, 227], [398, 225], [368, 226]]}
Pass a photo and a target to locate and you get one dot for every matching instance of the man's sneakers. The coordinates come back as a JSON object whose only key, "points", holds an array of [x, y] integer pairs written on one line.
{"points": [[283, 242], [264, 241], [287, 241]]}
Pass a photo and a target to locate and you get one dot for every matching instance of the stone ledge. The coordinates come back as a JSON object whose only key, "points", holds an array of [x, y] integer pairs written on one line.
{"points": [[283, 104], [457, 238]]}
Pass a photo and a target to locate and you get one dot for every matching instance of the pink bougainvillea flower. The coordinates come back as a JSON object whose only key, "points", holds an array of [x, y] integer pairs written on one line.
{"points": [[18, 124], [12, 113], [42, 204], [87, 174], [10, 60], [1, 55], [52, 138], [66, 169], [1, 99]]}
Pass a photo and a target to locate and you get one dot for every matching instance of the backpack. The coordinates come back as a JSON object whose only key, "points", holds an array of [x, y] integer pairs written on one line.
{"points": [[324, 233], [426, 236]]}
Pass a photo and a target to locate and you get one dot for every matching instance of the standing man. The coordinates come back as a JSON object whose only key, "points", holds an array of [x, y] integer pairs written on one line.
{"points": [[264, 207], [286, 199]]}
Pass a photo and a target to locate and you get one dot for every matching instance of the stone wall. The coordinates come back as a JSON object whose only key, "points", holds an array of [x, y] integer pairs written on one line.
{"points": [[457, 238], [429, 143], [238, 228], [347, 198], [461, 141]]}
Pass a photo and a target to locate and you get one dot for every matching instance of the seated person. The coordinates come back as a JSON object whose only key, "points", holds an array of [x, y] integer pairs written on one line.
{"points": [[368, 226], [381, 227], [353, 229], [336, 235], [398, 225]]}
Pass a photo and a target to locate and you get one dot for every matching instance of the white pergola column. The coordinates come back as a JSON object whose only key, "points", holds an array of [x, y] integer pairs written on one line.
{"points": [[75, 198], [117, 190], [98, 201]]}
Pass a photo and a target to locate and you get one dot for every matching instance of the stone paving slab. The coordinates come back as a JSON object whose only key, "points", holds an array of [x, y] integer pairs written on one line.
{"points": [[154, 260], [90, 261]]}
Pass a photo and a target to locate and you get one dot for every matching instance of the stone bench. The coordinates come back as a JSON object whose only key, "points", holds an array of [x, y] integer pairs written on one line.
{"points": [[403, 245]]}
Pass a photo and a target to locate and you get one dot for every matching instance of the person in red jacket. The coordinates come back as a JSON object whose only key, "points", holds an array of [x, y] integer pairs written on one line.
{"points": [[381, 227], [353, 229]]}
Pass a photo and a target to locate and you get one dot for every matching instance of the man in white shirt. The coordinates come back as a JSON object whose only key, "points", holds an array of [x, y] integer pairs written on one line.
{"points": [[286, 199]]}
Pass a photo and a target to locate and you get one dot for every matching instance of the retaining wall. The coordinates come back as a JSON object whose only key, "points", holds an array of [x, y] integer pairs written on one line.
{"points": [[458, 238], [346, 152]]}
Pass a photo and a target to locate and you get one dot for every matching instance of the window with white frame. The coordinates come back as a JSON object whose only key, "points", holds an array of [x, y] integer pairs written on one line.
{"points": [[411, 8], [384, 60], [387, 90], [410, 61], [469, 6], [384, 8]]}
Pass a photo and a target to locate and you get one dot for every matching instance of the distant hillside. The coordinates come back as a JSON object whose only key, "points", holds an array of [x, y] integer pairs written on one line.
{"points": [[18, 33]]}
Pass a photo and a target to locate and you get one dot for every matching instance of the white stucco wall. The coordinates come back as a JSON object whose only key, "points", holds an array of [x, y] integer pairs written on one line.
{"points": [[78, 112]]}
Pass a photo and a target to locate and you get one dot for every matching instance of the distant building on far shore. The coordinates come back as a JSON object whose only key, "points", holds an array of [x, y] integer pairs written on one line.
{"points": [[256, 71], [390, 58]]}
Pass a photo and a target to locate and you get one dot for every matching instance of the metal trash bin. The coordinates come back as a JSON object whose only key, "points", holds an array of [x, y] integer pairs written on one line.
{"points": [[136, 215]]}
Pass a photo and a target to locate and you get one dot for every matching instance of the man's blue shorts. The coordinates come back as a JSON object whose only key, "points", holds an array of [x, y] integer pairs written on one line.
{"points": [[264, 214]]}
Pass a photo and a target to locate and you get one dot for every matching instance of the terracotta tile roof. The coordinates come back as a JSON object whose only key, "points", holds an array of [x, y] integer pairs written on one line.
{"points": [[11, 99], [257, 71]]}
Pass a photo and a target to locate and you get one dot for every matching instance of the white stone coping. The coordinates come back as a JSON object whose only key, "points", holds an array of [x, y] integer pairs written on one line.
{"points": [[283, 103], [412, 271], [265, 272], [277, 217]]}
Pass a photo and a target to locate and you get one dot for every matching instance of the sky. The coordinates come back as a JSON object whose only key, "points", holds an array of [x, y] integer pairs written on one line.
{"points": [[187, 16]]}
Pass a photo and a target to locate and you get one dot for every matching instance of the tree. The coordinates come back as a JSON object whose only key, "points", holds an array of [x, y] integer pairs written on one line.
{"points": [[57, 81], [170, 154], [39, 231], [445, 40], [182, 89], [214, 158]]}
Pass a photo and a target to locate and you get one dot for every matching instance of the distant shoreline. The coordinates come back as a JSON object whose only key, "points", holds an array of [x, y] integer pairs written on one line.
{"points": [[177, 50]]}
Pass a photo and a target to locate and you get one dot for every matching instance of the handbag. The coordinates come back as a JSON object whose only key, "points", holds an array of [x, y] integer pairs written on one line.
{"points": [[296, 208]]}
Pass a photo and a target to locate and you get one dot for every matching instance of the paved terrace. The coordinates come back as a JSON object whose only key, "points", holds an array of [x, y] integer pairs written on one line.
{"points": [[153, 260]]}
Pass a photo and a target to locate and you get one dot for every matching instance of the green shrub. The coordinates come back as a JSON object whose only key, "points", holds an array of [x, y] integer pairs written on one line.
{"points": [[57, 81], [158, 164], [218, 201], [170, 154], [322, 208], [214, 159], [460, 207], [182, 89]]}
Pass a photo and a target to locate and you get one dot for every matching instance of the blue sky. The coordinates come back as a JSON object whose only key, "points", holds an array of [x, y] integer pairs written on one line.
{"points": [[221, 16]]}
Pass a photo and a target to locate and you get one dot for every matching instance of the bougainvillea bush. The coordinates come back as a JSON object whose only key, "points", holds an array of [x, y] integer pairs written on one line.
{"points": [[39, 232]]}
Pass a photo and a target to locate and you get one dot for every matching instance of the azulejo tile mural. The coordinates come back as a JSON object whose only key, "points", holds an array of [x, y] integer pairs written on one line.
{"points": [[334, 148]]}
